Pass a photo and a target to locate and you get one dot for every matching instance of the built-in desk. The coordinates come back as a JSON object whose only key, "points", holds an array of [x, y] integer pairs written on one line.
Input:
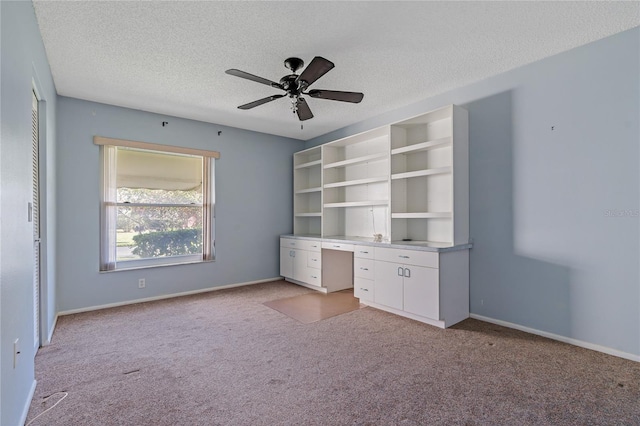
{"points": [[428, 282]]}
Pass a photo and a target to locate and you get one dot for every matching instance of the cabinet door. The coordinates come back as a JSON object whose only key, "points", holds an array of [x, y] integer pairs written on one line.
{"points": [[286, 262], [300, 265], [388, 284], [421, 295]]}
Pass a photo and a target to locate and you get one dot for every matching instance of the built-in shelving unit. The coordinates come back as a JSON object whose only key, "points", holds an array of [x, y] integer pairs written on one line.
{"points": [[307, 198], [407, 181], [429, 167], [356, 185]]}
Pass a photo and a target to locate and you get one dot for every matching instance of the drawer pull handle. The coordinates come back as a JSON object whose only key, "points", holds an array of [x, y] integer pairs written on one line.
{"points": [[364, 289], [365, 252], [400, 271], [313, 276], [407, 273], [336, 246], [404, 257], [364, 269]]}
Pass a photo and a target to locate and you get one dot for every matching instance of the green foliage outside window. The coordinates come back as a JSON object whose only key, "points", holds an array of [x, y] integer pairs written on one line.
{"points": [[168, 243]]}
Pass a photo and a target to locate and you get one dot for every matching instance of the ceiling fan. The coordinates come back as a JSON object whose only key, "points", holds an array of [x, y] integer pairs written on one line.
{"points": [[296, 85]]}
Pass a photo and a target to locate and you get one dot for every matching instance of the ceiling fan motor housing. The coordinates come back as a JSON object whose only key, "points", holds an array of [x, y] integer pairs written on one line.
{"points": [[294, 64]]}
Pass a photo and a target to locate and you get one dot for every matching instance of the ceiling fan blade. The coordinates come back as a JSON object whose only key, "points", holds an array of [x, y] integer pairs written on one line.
{"points": [[318, 67], [336, 95], [260, 102], [303, 110], [252, 77]]}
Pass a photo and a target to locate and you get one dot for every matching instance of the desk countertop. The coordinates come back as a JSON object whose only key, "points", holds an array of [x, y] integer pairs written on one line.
{"points": [[407, 245]]}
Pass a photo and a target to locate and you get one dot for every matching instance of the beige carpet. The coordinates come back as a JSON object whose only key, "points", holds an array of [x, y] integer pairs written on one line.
{"points": [[312, 307], [224, 358]]}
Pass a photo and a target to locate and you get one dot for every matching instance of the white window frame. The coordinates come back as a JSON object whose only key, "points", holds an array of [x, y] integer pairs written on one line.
{"points": [[109, 205]]}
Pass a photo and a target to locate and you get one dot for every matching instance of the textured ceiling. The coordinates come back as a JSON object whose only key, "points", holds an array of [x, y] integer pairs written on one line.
{"points": [[170, 57]]}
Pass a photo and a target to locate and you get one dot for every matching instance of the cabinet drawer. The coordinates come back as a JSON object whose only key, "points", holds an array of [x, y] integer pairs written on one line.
{"points": [[363, 268], [314, 260], [313, 246], [289, 242], [364, 252], [363, 289], [337, 246], [313, 277], [407, 257]]}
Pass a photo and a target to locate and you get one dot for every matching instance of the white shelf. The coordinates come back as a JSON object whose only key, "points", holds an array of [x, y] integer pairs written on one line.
{"points": [[423, 146], [357, 204], [309, 164], [356, 182], [352, 161], [308, 190], [423, 215], [314, 214], [418, 173]]}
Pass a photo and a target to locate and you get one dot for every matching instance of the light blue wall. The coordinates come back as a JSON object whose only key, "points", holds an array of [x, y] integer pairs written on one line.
{"points": [[546, 254], [23, 62], [253, 203]]}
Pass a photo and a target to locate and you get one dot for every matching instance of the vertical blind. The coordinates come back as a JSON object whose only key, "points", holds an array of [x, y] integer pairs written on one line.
{"points": [[35, 214]]}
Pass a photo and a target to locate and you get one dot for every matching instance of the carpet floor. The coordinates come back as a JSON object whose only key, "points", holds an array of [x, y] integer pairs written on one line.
{"points": [[224, 358]]}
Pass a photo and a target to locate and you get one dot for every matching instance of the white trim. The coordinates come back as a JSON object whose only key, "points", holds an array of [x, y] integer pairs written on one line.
{"points": [[25, 409], [50, 335], [164, 296], [303, 284], [569, 340]]}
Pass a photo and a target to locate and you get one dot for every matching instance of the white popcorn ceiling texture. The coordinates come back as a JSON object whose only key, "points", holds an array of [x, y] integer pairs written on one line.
{"points": [[170, 57]]}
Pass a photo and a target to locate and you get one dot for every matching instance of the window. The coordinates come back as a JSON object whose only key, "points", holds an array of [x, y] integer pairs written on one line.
{"points": [[156, 205]]}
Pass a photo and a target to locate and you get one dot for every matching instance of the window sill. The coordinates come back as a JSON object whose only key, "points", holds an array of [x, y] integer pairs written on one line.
{"points": [[156, 265]]}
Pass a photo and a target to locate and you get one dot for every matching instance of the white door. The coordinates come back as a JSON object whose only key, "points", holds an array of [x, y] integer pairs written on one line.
{"points": [[388, 284], [35, 218], [421, 291]]}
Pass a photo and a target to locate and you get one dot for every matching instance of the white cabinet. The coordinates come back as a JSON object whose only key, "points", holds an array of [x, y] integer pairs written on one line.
{"points": [[363, 273], [301, 261], [431, 287], [407, 280], [407, 184]]}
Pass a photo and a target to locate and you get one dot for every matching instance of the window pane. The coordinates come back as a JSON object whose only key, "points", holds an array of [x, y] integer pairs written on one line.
{"points": [[150, 232], [159, 196]]}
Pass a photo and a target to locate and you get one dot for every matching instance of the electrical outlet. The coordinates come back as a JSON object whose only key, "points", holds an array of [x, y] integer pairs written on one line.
{"points": [[141, 283], [16, 352]]}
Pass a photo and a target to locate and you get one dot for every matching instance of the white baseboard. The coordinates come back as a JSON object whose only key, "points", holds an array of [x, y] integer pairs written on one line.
{"points": [[27, 404], [164, 296], [569, 340]]}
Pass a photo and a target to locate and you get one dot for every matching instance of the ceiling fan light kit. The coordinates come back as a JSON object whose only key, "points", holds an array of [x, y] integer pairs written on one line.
{"points": [[296, 85]]}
